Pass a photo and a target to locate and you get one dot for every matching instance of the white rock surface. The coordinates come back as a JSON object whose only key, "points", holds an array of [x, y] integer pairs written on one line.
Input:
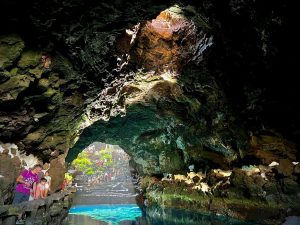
{"points": [[274, 164], [30, 160]]}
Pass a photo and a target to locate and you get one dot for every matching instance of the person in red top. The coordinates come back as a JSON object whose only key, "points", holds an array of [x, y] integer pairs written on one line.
{"points": [[26, 182], [64, 185]]}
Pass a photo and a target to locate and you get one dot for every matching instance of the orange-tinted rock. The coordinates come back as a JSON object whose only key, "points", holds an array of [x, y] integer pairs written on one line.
{"points": [[167, 42]]}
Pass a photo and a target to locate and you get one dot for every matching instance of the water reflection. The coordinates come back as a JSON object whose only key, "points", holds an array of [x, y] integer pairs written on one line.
{"points": [[81, 220], [132, 215], [158, 216]]}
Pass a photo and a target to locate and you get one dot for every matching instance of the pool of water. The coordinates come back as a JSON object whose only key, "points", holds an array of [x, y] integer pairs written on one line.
{"points": [[111, 214], [131, 214]]}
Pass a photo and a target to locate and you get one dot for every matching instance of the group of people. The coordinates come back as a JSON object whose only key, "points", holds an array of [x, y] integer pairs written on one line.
{"points": [[32, 184]]}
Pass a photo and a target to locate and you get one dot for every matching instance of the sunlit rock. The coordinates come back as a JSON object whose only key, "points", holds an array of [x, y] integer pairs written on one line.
{"points": [[169, 42]]}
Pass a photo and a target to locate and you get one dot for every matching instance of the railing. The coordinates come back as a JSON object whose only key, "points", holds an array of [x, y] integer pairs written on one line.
{"points": [[49, 211]]}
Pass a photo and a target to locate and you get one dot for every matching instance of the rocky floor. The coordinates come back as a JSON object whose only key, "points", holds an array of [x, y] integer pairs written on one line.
{"points": [[251, 193]]}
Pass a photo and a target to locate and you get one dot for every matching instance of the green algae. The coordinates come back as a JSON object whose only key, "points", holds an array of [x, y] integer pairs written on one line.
{"points": [[30, 58], [11, 47], [15, 85]]}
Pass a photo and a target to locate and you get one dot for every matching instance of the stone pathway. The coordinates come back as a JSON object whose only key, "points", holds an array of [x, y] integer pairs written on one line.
{"points": [[113, 192]]}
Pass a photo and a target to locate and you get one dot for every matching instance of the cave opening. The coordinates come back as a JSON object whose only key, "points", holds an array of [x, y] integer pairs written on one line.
{"points": [[106, 184], [101, 163]]}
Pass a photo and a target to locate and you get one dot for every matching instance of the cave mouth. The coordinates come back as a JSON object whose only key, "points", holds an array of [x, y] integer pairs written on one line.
{"points": [[103, 175], [106, 185]]}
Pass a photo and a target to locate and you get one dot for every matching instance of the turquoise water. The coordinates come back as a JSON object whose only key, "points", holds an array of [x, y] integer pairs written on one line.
{"points": [[131, 214], [111, 214], [159, 216]]}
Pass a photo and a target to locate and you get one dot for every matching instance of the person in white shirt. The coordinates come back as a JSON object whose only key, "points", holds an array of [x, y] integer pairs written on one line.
{"points": [[48, 183]]}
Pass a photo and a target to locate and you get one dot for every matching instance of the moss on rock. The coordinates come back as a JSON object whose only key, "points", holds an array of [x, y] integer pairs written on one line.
{"points": [[11, 47], [37, 72], [43, 84], [30, 58], [14, 86]]}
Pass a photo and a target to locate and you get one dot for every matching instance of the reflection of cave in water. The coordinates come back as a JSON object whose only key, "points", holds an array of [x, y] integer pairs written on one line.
{"points": [[132, 215]]}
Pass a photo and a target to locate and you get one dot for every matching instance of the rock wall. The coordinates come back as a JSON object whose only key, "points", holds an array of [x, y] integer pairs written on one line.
{"points": [[57, 172], [9, 171], [49, 211], [36, 106]]}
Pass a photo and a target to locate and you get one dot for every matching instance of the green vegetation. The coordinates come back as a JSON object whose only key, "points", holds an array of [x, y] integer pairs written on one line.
{"points": [[68, 177], [83, 163], [106, 156], [93, 161]]}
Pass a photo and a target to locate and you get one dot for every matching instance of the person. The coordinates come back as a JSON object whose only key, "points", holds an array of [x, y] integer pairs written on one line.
{"points": [[26, 181], [48, 184], [63, 186], [40, 189]]}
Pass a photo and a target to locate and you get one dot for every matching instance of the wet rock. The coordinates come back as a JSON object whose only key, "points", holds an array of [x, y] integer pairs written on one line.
{"points": [[291, 187], [246, 186], [272, 187], [56, 209]]}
